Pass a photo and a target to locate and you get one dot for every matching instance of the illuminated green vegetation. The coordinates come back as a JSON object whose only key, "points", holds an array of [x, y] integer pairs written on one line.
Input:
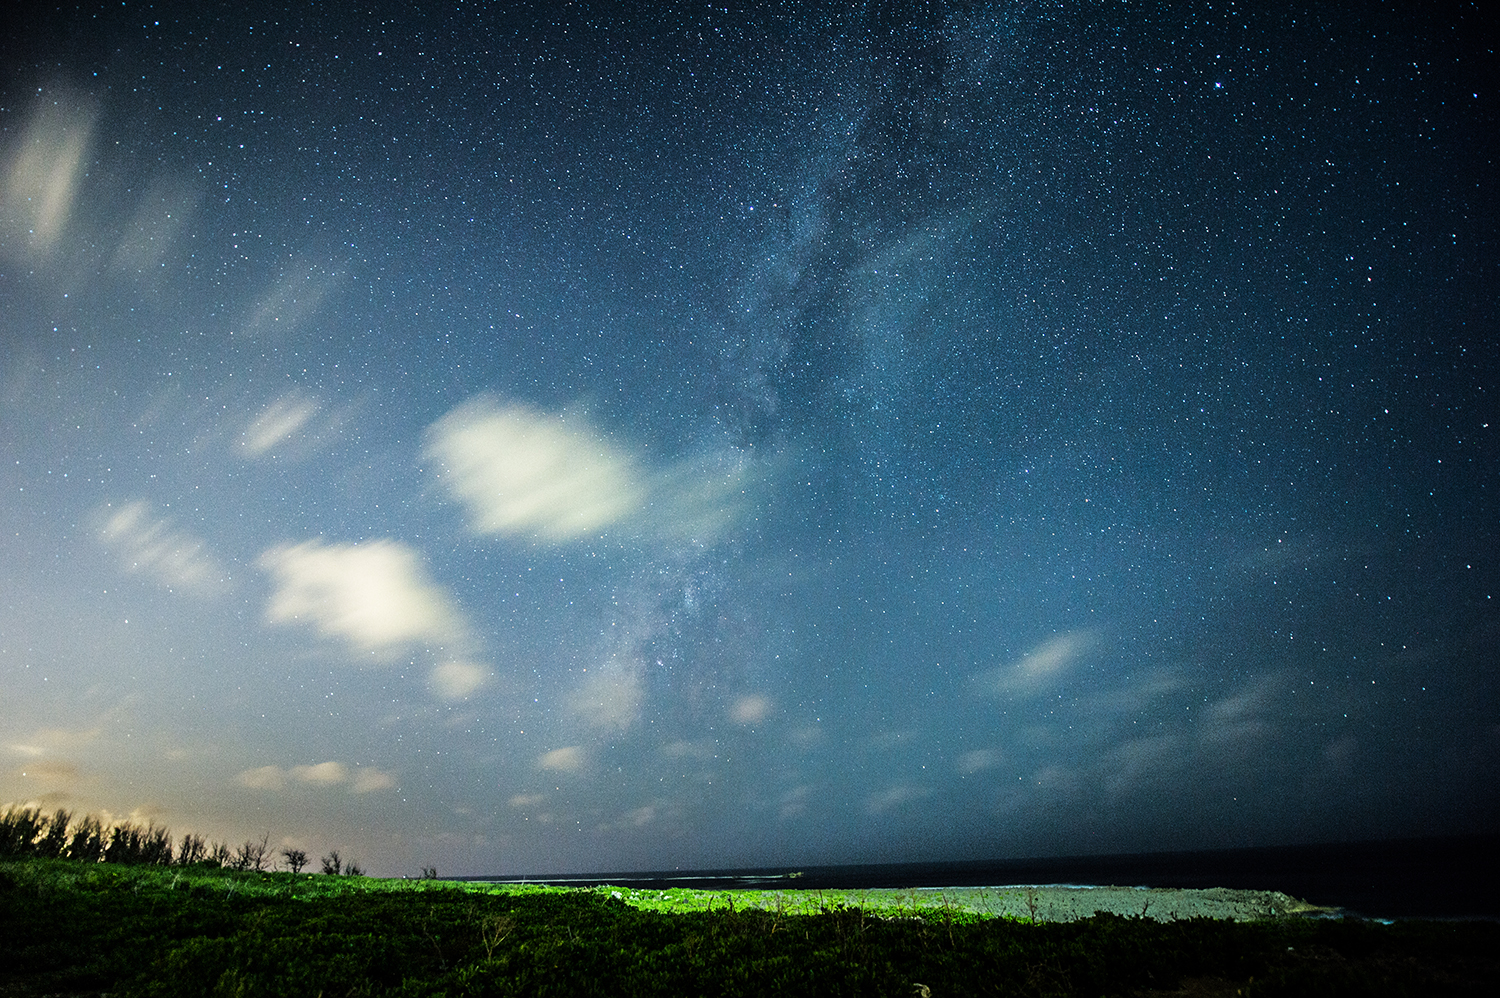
{"points": [[89, 909], [77, 929]]}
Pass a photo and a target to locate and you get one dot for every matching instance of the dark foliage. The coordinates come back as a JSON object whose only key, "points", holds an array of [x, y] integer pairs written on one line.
{"points": [[191, 850], [147, 935], [88, 839], [20, 827], [252, 855]]}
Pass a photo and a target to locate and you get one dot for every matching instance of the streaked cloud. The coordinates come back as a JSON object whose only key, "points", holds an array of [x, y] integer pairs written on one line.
{"points": [[973, 762], [1039, 669], [527, 800], [41, 177], [750, 709], [456, 680], [793, 803], [368, 779], [612, 694], [323, 774], [262, 778], [519, 472], [43, 741], [293, 301], [152, 545], [683, 749], [362, 780], [53, 773], [375, 596], [894, 797], [278, 422], [161, 218], [567, 759]]}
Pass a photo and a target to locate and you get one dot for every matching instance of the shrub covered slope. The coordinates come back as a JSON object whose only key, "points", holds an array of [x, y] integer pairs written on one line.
{"points": [[70, 928]]}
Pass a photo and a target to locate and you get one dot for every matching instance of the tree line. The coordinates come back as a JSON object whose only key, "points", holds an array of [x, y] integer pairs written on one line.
{"points": [[27, 831]]}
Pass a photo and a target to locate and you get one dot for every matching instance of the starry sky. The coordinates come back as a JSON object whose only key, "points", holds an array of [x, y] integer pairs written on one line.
{"points": [[542, 437]]}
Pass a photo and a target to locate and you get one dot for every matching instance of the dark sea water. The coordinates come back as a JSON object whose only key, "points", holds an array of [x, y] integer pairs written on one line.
{"points": [[1408, 878]]}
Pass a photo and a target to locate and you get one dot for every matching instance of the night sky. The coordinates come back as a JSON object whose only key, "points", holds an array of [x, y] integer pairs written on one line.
{"points": [[551, 438]]}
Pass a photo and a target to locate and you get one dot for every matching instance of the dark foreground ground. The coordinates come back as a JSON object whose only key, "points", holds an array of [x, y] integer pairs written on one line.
{"points": [[73, 929]]}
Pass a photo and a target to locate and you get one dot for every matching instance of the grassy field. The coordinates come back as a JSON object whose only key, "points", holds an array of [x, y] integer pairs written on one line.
{"points": [[71, 928]]}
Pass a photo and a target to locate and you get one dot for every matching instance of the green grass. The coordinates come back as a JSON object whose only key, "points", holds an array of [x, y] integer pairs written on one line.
{"points": [[70, 928]]}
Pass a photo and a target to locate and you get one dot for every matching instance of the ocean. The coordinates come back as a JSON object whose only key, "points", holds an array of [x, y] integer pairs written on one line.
{"points": [[1439, 878]]}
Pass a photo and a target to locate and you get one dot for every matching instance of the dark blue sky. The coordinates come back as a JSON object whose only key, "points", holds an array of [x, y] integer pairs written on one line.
{"points": [[554, 439]]}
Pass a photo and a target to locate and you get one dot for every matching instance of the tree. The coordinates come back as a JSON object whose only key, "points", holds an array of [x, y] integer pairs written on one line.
{"points": [[53, 843], [156, 846], [125, 841], [295, 858], [251, 855], [191, 850], [19, 828], [332, 864], [88, 840]]}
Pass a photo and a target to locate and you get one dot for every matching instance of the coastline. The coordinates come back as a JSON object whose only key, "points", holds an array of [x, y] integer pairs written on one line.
{"points": [[1068, 903]]}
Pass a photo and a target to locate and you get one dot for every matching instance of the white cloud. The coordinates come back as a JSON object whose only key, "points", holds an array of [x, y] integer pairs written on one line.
{"points": [[263, 778], [527, 800], [40, 186], [165, 213], [520, 472], [793, 803], [150, 544], [376, 595], [369, 779], [894, 797], [688, 750], [1039, 669], [457, 680], [750, 709], [523, 473], [293, 301], [278, 422], [973, 762], [611, 696], [323, 774], [567, 759]]}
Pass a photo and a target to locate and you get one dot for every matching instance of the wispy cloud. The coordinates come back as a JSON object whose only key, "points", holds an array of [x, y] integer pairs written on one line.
{"points": [[165, 213], [263, 778], [362, 780], [323, 774], [751, 709], [523, 473], [1039, 669], [894, 797], [457, 680], [978, 759], [375, 596], [151, 544], [293, 301], [278, 422], [611, 696], [40, 181], [568, 759], [368, 779]]}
